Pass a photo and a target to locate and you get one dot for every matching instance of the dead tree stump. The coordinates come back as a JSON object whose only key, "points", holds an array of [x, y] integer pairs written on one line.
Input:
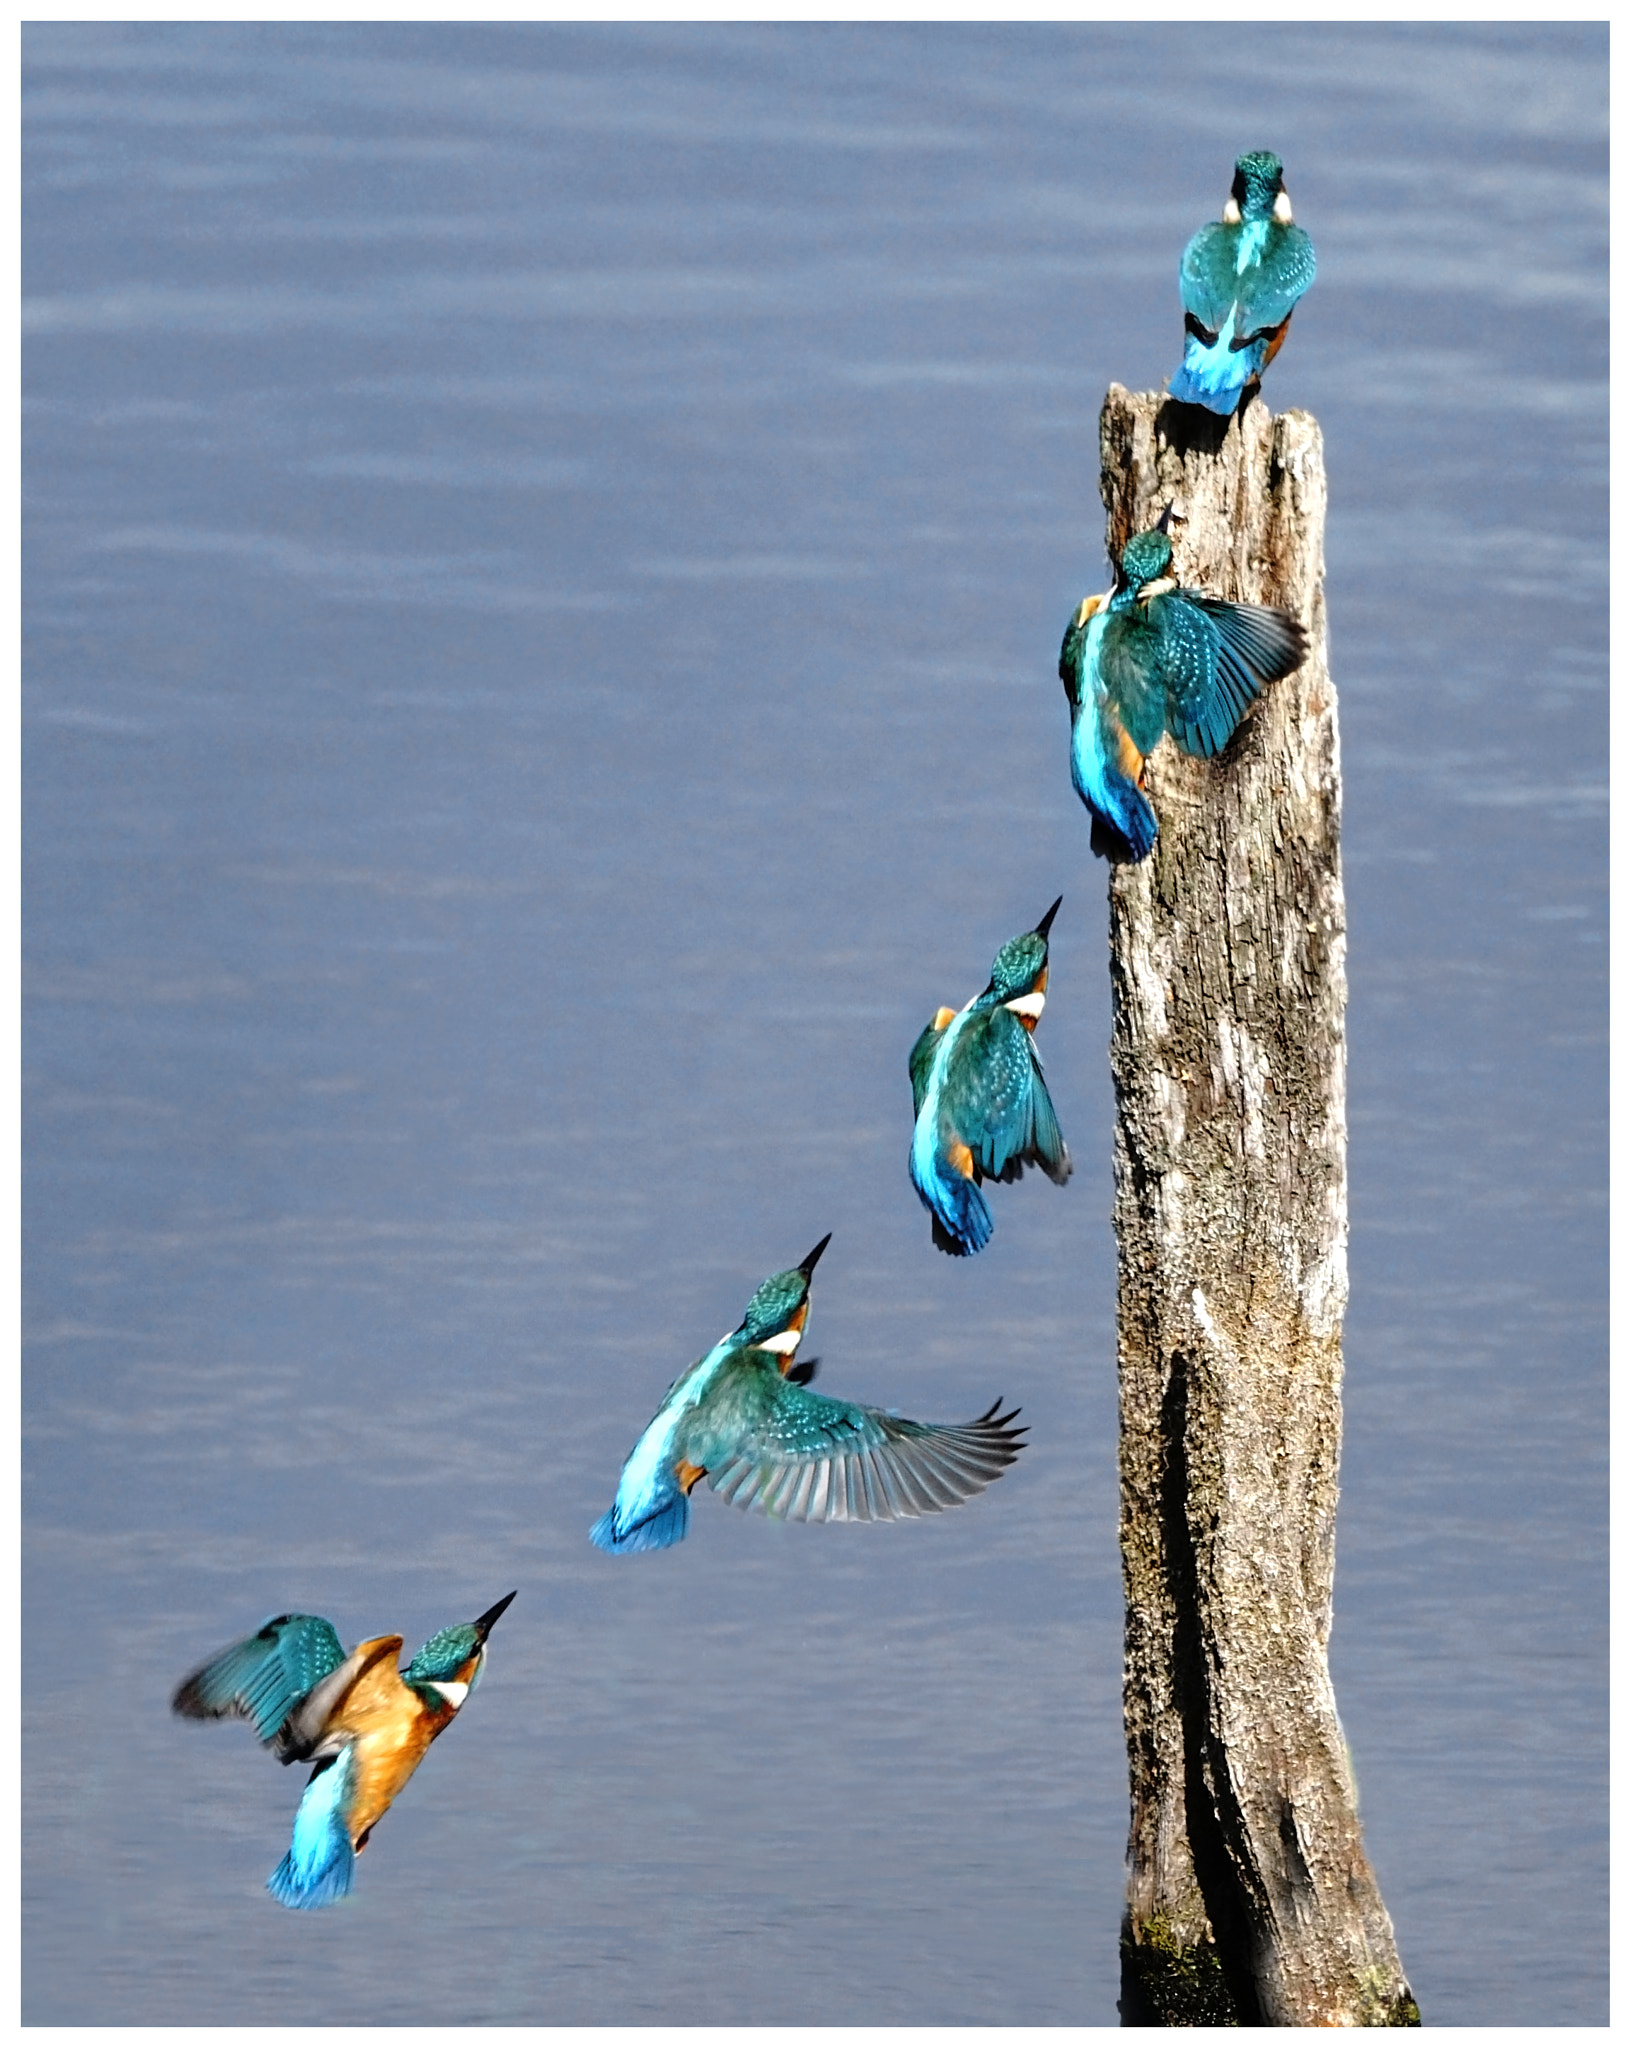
{"points": [[1250, 1899]]}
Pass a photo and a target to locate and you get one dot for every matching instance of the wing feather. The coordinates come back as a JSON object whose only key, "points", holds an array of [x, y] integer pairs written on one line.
{"points": [[1130, 675], [1281, 276], [997, 1101], [266, 1680], [921, 1063], [1206, 275], [810, 1458], [1214, 292], [1267, 642], [1218, 655]]}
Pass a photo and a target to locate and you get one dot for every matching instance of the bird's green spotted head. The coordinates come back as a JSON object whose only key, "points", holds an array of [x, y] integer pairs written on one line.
{"points": [[1258, 186], [1146, 558], [780, 1307], [451, 1661], [1021, 967]]}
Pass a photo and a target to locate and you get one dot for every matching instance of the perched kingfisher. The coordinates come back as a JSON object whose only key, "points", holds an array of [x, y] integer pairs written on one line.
{"points": [[362, 1722], [1150, 657], [744, 1419], [982, 1105], [1240, 279]]}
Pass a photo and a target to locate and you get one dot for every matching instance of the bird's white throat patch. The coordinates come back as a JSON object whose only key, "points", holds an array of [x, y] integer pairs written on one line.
{"points": [[784, 1345], [453, 1690], [1027, 1006]]}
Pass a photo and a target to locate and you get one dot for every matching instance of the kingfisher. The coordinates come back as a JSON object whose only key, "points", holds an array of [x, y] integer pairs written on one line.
{"points": [[1150, 657], [982, 1106], [362, 1723], [745, 1419], [1240, 279]]}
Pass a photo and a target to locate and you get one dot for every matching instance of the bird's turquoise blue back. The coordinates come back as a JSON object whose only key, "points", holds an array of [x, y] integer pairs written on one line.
{"points": [[751, 1398]]}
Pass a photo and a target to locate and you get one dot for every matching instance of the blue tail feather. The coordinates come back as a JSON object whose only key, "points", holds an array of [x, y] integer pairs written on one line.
{"points": [[1116, 802], [1123, 812], [317, 1870], [666, 1524], [961, 1218], [1215, 376]]}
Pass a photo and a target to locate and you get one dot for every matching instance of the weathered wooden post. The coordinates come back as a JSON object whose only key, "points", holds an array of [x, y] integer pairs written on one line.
{"points": [[1250, 1899]]}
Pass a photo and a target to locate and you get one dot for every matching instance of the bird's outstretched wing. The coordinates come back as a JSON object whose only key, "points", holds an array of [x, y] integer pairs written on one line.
{"points": [[264, 1678], [1216, 657], [1205, 695], [813, 1459], [1267, 642]]}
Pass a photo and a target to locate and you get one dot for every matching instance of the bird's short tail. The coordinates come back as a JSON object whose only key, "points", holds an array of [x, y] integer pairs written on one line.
{"points": [[666, 1524], [1129, 833], [1214, 375], [318, 1867], [959, 1218]]}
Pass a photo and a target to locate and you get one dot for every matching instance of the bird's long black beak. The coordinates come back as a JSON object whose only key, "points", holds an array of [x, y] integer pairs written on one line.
{"points": [[1042, 928], [807, 1266], [484, 1622], [1164, 523]]}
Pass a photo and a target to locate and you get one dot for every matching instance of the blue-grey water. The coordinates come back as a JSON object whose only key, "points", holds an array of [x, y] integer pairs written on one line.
{"points": [[545, 555]]}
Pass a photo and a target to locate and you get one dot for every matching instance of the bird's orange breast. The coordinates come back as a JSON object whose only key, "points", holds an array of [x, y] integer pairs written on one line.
{"points": [[1272, 347], [390, 1727]]}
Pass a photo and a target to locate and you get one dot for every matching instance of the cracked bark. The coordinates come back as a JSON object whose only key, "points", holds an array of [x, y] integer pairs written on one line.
{"points": [[1250, 1899]]}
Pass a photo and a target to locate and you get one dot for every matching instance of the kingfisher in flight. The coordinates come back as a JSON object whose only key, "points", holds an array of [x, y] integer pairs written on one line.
{"points": [[1150, 657], [745, 1419], [363, 1724], [982, 1106], [1240, 279]]}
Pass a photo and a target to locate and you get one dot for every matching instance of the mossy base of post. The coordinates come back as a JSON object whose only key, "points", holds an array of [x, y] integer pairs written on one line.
{"points": [[1166, 1982]]}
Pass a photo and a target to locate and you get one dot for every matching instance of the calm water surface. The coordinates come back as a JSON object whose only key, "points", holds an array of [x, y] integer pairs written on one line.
{"points": [[546, 554]]}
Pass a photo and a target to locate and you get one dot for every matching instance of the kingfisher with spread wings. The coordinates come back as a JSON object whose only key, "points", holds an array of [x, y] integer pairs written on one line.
{"points": [[745, 1418], [363, 1724], [1150, 657]]}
